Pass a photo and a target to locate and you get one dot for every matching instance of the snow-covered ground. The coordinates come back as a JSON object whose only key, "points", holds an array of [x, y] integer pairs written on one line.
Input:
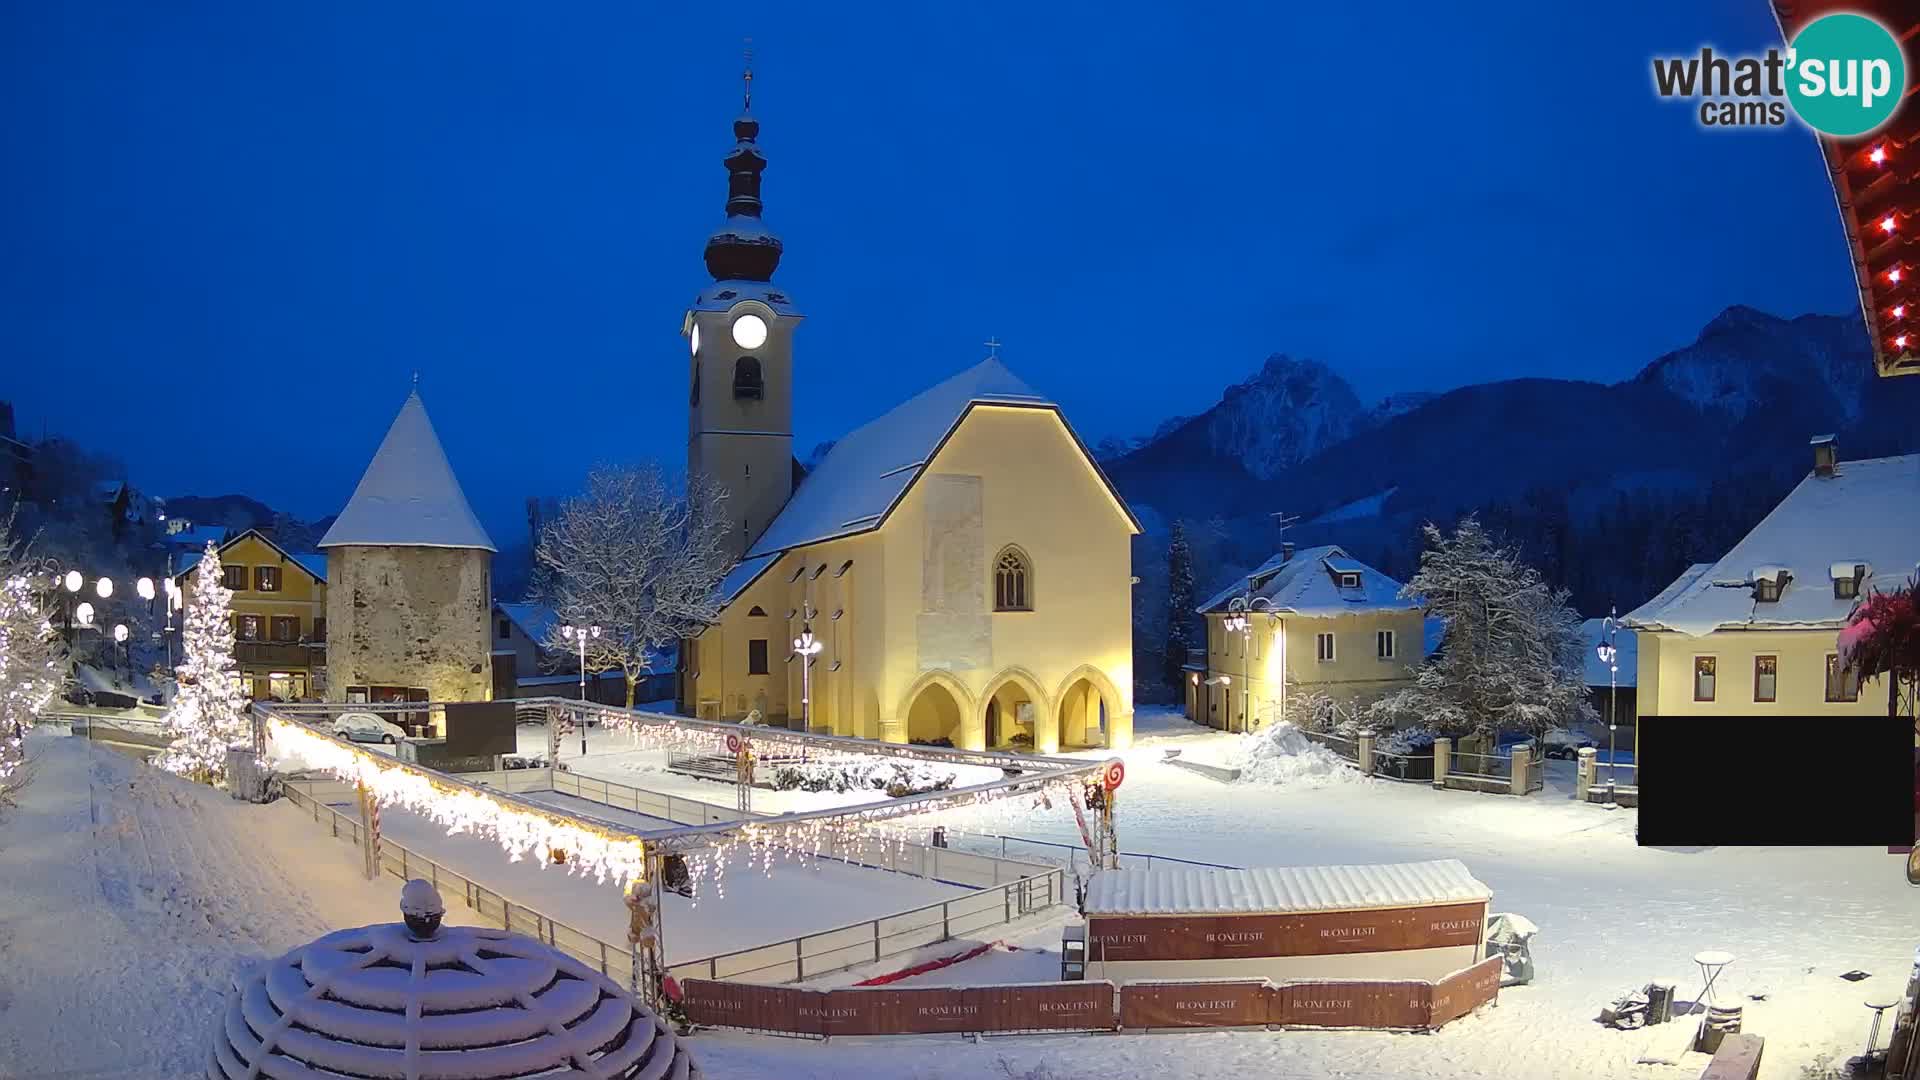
{"points": [[144, 914]]}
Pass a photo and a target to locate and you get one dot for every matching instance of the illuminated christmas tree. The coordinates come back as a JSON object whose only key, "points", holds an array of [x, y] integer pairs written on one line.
{"points": [[208, 714], [31, 655]]}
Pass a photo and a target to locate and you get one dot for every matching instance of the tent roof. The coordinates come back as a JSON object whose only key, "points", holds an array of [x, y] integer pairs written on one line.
{"points": [[409, 496]]}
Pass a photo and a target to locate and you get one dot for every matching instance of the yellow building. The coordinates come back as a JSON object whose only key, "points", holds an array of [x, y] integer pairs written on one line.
{"points": [[1317, 620], [961, 565], [279, 615], [1755, 633]]}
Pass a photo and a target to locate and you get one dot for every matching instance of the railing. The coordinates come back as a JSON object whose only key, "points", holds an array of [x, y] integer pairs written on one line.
{"points": [[1624, 776], [614, 961], [1410, 767], [673, 808], [1066, 854], [828, 951], [1339, 744]]}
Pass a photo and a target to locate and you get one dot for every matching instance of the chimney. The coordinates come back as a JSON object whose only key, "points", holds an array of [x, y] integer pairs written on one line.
{"points": [[1286, 551], [1826, 454]]}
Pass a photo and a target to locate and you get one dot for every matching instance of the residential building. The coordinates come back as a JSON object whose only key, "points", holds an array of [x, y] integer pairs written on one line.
{"points": [[1755, 632], [410, 598], [1316, 620], [961, 562], [525, 665], [279, 614]]}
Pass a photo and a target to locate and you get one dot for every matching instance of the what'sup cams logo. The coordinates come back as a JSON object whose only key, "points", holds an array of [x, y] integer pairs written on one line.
{"points": [[1842, 75]]}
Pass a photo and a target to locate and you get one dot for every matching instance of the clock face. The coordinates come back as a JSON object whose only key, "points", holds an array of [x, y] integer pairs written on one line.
{"points": [[749, 331], [696, 339]]}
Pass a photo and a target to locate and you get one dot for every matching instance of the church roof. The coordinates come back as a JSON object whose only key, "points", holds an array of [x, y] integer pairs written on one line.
{"points": [[868, 472], [409, 496]]}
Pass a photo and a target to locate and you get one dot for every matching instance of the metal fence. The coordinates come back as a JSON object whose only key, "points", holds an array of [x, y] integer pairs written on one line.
{"points": [[1411, 767], [1072, 855], [1339, 744], [673, 808]]}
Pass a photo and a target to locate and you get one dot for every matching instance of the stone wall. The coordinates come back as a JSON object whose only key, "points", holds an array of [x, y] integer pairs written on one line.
{"points": [[410, 616]]}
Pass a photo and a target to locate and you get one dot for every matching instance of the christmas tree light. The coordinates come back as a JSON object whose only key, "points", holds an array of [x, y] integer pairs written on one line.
{"points": [[208, 714]]}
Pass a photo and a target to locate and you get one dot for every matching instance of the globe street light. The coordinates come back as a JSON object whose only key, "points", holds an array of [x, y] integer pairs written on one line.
{"points": [[74, 581], [1610, 656], [1237, 622], [104, 587], [144, 587], [84, 614], [581, 635], [806, 646]]}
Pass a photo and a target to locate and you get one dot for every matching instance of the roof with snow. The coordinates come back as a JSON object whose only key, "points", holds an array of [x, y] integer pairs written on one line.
{"points": [[722, 295], [409, 496], [1197, 891], [1867, 514], [534, 620], [313, 562], [1309, 584], [1592, 633], [868, 472]]}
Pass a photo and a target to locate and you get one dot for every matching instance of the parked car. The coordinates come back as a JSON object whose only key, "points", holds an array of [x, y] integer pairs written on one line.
{"points": [[366, 727], [1561, 743]]}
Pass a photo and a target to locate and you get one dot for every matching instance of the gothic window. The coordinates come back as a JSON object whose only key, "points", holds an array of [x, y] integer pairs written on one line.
{"points": [[1012, 581], [747, 382], [758, 612]]}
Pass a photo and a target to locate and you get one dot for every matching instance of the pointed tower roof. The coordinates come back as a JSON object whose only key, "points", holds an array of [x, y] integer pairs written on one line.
{"points": [[743, 248], [409, 496]]}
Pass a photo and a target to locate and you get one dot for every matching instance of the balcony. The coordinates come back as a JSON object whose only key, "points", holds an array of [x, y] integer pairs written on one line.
{"points": [[280, 654]]}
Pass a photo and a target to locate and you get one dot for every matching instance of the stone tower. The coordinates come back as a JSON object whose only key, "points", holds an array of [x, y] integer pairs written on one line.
{"points": [[409, 577], [740, 334]]}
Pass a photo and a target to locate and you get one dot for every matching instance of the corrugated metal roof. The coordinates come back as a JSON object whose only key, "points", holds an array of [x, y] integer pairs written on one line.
{"points": [[1282, 889]]}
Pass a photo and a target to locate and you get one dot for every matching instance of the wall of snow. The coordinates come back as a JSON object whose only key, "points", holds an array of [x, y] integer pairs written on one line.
{"points": [[409, 616]]}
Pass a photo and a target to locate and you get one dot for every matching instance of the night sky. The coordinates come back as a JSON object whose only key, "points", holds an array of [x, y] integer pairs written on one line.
{"points": [[231, 233]]}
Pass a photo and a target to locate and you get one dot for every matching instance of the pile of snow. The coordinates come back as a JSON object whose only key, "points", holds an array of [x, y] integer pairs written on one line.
{"points": [[1281, 755]]}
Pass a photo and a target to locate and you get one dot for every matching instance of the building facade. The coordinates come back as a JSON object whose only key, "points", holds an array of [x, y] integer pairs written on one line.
{"points": [[1757, 632], [409, 600], [279, 615], [1313, 621], [956, 571]]}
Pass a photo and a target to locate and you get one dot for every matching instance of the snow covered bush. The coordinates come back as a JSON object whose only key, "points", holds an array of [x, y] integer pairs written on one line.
{"points": [[1513, 657], [31, 655], [896, 778], [1418, 739], [208, 713]]}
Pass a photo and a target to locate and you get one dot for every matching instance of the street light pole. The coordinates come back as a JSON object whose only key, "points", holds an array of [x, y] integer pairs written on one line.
{"points": [[1610, 656], [1237, 620], [580, 634], [805, 647]]}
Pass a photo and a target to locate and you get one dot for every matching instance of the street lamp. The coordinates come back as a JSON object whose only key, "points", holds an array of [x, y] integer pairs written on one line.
{"points": [[581, 635], [74, 581], [104, 587], [1610, 656], [144, 587], [806, 646], [84, 614], [1237, 622]]}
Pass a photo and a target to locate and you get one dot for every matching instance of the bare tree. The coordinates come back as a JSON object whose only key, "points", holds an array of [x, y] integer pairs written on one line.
{"points": [[637, 559]]}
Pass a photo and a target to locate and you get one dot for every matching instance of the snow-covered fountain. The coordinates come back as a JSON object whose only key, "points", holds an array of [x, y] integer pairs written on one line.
{"points": [[415, 999]]}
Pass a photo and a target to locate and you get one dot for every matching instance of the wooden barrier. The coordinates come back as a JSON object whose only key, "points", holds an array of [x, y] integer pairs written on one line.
{"points": [[1314, 933], [1090, 1006]]}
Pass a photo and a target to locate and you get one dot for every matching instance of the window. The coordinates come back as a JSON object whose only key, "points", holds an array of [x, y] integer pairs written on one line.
{"points": [[1323, 648], [266, 579], [320, 629], [1766, 678], [1012, 581], [757, 656], [235, 577], [693, 399], [286, 628], [759, 612], [747, 382], [1349, 581], [1767, 590], [1847, 586], [247, 627], [1842, 684], [1703, 672], [1383, 644]]}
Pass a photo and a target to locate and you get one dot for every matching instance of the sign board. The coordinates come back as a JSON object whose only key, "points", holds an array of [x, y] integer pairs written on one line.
{"points": [[1203, 1003], [1113, 774], [733, 742], [481, 728], [1466, 990], [1313, 933], [1354, 1003]]}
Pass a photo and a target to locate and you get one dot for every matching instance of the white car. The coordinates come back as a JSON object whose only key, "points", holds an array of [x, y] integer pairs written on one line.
{"points": [[366, 727]]}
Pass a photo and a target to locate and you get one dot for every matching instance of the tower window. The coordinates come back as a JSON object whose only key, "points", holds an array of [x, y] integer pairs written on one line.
{"points": [[693, 399], [1012, 581], [747, 382]]}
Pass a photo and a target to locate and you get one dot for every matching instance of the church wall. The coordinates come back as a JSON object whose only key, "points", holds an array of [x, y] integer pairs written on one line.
{"points": [[410, 616]]}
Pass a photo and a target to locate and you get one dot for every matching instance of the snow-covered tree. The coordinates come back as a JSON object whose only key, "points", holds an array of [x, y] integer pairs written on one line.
{"points": [[1179, 606], [638, 560], [32, 656], [208, 714], [1514, 656]]}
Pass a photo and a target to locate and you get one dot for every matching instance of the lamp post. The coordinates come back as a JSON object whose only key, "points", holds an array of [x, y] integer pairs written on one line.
{"points": [[806, 646], [1610, 656], [1237, 622], [580, 636]]}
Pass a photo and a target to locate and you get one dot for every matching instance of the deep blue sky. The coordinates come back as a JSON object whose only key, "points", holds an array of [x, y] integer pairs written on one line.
{"points": [[229, 233]]}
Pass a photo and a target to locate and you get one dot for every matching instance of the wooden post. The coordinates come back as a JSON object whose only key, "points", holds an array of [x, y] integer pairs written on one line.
{"points": [[369, 831]]}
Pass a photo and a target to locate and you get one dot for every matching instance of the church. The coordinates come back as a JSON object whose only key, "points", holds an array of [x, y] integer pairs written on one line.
{"points": [[958, 571]]}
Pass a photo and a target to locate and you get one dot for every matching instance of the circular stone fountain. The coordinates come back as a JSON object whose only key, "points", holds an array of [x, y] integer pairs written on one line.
{"points": [[415, 1000]]}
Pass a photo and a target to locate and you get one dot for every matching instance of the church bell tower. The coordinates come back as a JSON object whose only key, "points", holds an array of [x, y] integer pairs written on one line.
{"points": [[740, 336]]}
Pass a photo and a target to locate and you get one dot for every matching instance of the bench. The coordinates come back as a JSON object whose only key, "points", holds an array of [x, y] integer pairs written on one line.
{"points": [[1737, 1059]]}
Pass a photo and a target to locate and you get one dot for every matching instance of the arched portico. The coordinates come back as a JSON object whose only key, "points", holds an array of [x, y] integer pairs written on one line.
{"points": [[1090, 711], [938, 706], [1002, 716]]}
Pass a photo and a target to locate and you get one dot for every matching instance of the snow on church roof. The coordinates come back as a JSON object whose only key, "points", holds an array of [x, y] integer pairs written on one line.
{"points": [[1268, 889], [866, 472], [1867, 512], [409, 496]]}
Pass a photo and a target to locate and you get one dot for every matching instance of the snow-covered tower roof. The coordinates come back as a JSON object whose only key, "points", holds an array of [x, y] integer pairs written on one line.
{"points": [[743, 248], [466, 1001], [409, 496]]}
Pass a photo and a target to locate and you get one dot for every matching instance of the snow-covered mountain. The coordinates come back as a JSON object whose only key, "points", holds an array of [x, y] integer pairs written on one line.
{"points": [[1746, 358]]}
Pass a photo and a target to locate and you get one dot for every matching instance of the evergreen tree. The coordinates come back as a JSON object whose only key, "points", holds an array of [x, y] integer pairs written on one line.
{"points": [[1514, 656], [1179, 605], [208, 714]]}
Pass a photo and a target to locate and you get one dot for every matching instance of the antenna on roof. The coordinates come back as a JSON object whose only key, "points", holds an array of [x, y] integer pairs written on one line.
{"points": [[993, 348], [746, 76], [1281, 523]]}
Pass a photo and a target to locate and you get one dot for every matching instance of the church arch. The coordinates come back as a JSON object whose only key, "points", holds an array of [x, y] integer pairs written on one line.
{"points": [[937, 706]]}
